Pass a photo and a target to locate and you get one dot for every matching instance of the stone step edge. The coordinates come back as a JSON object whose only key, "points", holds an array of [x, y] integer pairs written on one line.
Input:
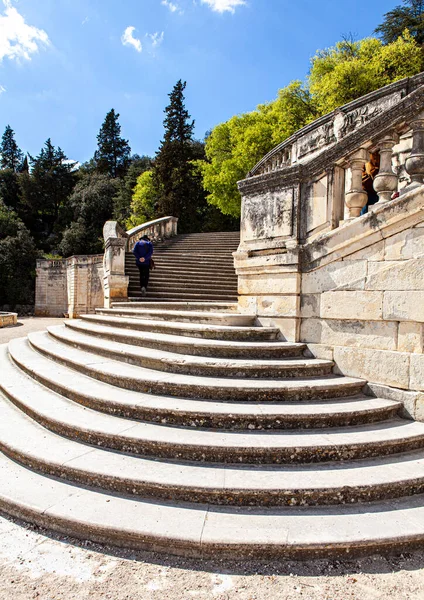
{"points": [[199, 413], [186, 482], [223, 349], [203, 531], [110, 342], [73, 421], [182, 316], [188, 329], [223, 306], [188, 386]]}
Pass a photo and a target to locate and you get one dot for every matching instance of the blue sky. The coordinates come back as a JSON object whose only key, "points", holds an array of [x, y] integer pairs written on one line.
{"points": [[65, 63]]}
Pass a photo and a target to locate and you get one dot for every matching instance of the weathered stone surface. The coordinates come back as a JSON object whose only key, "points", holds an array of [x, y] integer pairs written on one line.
{"points": [[289, 327], [352, 305], [310, 306], [330, 277], [417, 372], [278, 306], [395, 275], [411, 337], [408, 399], [269, 283], [403, 306], [8, 319], [359, 334], [405, 245], [378, 366], [321, 351], [373, 252]]}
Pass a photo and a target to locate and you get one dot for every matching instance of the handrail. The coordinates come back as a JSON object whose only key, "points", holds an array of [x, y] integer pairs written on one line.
{"points": [[159, 229]]}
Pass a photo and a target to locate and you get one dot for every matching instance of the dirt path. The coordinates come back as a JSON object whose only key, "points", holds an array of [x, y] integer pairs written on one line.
{"points": [[33, 565]]}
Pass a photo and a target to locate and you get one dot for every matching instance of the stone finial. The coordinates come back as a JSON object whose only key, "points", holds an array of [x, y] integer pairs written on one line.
{"points": [[386, 182], [414, 164], [356, 198]]}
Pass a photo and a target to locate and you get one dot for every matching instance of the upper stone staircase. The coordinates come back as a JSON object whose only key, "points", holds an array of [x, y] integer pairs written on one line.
{"points": [[197, 266], [191, 429]]}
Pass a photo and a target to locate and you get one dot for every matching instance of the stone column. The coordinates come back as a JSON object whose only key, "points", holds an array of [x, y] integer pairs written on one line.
{"points": [[356, 198], [115, 280], [386, 182], [415, 162]]}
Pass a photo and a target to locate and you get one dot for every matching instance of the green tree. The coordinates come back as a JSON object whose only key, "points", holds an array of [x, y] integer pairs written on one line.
{"points": [[338, 75], [175, 174], [409, 16], [11, 155], [91, 205], [44, 193], [123, 199], [17, 260], [144, 204], [10, 191], [113, 152], [350, 70]]}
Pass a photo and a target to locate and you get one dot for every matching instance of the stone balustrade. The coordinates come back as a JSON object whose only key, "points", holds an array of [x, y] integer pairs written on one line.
{"points": [[157, 230]]}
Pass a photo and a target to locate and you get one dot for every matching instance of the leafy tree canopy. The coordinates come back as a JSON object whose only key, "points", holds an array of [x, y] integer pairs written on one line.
{"points": [[113, 152], [338, 75], [408, 15], [123, 198], [144, 203]]}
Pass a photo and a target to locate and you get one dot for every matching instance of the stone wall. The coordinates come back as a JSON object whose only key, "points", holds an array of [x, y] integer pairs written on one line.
{"points": [[70, 286]]}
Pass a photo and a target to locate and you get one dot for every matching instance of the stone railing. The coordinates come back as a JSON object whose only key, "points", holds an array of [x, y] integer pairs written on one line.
{"points": [[312, 182], [157, 230], [118, 242]]}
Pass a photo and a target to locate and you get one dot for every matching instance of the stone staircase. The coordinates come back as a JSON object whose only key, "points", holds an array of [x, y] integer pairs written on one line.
{"points": [[197, 266], [190, 429]]}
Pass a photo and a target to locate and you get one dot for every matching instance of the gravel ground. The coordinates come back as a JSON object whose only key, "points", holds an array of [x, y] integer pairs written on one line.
{"points": [[44, 566], [26, 325], [35, 564]]}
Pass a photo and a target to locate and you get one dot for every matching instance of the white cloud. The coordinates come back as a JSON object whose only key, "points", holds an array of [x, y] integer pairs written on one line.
{"points": [[224, 5], [18, 40], [85, 21], [2, 89], [172, 7], [128, 39], [156, 38]]}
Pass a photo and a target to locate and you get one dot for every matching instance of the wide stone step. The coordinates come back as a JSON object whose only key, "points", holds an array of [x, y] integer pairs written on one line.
{"points": [[44, 451], [188, 386], [204, 531], [196, 270], [184, 277], [188, 296], [66, 418], [203, 306], [189, 346], [115, 344], [182, 316], [197, 330], [208, 288], [186, 412]]}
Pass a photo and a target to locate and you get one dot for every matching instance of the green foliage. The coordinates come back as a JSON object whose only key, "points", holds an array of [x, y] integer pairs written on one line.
{"points": [[44, 193], [11, 155], [350, 70], [409, 16], [91, 204], [338, 75], [123, 199], [176, 178], [234, 147], [113, 152], [10, 190], [17, 260], [144, 200]]}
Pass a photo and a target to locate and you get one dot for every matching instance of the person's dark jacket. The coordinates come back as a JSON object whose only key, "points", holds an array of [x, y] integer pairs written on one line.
{"points": [[143, 249]]}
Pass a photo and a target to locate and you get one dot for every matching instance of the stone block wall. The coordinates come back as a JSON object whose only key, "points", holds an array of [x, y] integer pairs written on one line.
{"points": [[70, 286]]}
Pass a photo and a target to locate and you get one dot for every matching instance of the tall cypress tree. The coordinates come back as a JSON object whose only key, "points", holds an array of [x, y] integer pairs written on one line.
{"points": [[112, 156], [11, 154], [180, 191]]}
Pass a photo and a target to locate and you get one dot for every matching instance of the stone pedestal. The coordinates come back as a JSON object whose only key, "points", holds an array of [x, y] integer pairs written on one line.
{"points": [[115, 280]]}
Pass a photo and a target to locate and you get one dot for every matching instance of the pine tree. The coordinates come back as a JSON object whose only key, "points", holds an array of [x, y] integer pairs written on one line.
{"points": [[113, 153], [11, 154], [177, 180], [409, 16]]}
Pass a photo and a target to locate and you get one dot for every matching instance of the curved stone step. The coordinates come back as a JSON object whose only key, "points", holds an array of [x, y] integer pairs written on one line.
{"points": [[206, 531], [117, 344], [188, 386], [199, 330], [32, 445], [203, 306], [189, 346], [71, 420], [236, 319], [199, 413]]}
